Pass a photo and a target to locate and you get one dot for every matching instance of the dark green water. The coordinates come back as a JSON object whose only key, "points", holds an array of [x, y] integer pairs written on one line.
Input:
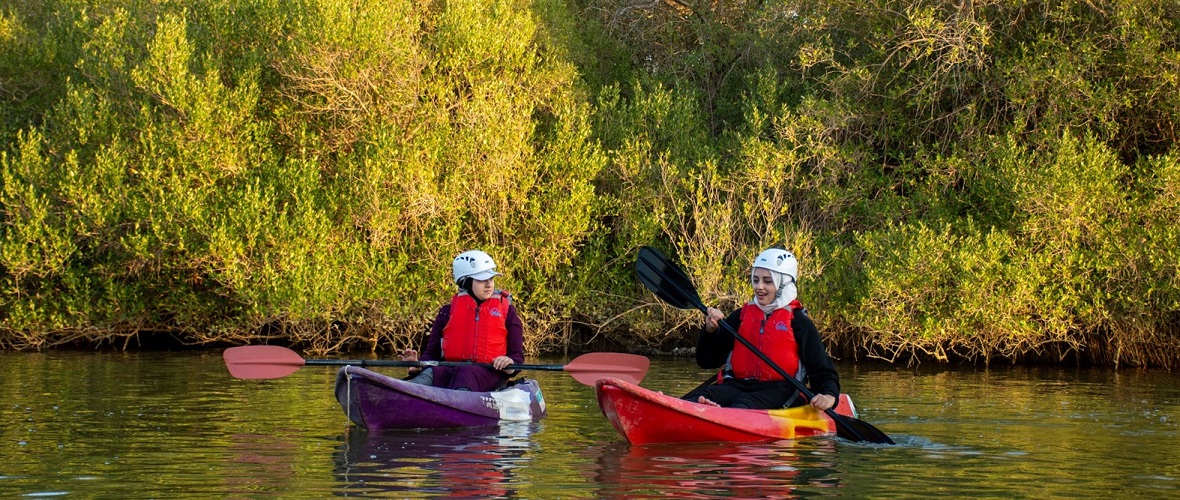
{"points": [[168, 425]]}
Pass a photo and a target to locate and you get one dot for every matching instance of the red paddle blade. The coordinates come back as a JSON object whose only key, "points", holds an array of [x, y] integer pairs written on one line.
{"points": [[588, 368], [261, 361]]}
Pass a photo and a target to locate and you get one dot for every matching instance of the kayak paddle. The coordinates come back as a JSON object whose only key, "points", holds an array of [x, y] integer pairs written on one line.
{"points": [[671, 285], [272, 361]]}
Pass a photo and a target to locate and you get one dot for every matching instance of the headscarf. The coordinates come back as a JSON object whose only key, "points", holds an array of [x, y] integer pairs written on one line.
{"points": [[465, 285], [785, 291]]}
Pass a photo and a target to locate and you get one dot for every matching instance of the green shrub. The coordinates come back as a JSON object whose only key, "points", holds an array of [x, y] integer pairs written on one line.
{"points": [[990, 180]]}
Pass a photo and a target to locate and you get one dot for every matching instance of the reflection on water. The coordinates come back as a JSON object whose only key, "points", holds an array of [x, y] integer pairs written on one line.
{"points": [[176, 425], [463, 463], [262, 462], [701, 470]]}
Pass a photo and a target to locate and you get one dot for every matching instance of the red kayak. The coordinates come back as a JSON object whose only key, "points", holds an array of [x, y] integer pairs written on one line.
{"points": [[648, 417]]}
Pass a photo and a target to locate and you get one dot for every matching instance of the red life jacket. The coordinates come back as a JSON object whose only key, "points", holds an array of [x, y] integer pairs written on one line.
{"points": [[477, 332], [774, 337]]}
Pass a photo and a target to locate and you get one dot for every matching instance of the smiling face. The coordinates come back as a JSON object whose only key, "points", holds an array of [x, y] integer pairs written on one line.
{"points": [[764, 289], [483, 289]]}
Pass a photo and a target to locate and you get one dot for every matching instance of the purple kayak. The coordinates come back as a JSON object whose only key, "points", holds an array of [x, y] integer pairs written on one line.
{"points": [[375, 401]]}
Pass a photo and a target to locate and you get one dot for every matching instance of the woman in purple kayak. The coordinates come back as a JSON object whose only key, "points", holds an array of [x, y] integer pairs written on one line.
{"points": [[480, 325]]}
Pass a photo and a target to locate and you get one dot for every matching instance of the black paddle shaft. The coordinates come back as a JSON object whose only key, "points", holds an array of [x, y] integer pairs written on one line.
{"points": [[655, 271]]}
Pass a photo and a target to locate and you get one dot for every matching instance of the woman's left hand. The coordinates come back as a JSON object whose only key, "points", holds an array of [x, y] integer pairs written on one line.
{"points": [[822, 402], [501, 362]]}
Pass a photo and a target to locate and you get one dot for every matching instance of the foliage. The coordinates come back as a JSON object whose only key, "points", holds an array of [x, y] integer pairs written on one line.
{"points": [[300, 171], [962, 180], [979, 180]]}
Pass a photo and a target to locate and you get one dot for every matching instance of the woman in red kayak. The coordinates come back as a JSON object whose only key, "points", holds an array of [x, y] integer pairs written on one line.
{"points": [[776, 323], [480, 325]]}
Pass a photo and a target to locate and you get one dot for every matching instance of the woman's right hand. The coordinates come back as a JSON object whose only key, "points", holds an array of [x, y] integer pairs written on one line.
{"points": [[411, 355], [712, 316]]}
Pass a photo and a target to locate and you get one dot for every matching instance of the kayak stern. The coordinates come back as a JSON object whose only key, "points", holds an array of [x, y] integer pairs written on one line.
{"points": [[375, 401]]}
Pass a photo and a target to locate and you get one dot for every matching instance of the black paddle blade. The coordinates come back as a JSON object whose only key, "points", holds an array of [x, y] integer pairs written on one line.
{"points": [[854, 429], [667, 281]]}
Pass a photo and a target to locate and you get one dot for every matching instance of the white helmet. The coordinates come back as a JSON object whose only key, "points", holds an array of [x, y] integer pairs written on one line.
{"points": [[779, 260], [473, 264]]}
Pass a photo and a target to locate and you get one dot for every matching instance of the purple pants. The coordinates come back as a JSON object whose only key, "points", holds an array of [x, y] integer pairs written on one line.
{"points": [[470, 377]]}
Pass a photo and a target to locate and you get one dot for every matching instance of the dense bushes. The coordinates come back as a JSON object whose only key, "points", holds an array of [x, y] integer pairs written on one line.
{"points": [[964, 181], [983, 180], [293, 170]]}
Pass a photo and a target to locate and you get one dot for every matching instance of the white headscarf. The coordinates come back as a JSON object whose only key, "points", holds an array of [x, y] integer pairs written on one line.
{"points": [[785, 291]]}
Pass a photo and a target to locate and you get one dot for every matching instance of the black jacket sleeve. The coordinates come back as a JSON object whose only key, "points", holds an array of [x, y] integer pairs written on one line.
{"points": [[821, 372], [713, 348]]}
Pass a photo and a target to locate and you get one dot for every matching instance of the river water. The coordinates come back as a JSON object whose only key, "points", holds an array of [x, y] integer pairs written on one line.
{"points": [[176, 424]]}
